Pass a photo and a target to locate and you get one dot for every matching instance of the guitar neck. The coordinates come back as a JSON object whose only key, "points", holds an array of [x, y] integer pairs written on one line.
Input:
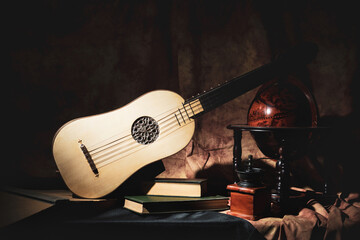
{"points": [[229, 90]]}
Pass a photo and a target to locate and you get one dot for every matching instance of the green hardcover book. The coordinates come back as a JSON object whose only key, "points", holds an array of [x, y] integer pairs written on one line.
{"points": [[145, 204], [180, 187]]}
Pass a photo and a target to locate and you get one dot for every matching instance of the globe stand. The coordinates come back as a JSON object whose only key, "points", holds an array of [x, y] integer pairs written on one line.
{"points": [[286, 143], [280, 195]]}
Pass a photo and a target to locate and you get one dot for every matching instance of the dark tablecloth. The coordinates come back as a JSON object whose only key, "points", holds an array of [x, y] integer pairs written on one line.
{"points": [[100, 221]]}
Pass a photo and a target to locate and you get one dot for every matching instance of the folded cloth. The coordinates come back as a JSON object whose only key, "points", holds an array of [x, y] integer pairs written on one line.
{"points": [[338, 220]]}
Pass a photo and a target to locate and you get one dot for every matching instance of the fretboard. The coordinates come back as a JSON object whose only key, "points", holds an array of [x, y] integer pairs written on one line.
{"points": [[229, 90]]}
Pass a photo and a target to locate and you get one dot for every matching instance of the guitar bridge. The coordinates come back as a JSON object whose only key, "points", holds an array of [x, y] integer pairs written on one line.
{"points": [[89, 159]]}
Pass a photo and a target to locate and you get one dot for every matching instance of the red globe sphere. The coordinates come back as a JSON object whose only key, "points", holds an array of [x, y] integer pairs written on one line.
{"points": [[284, 103]]}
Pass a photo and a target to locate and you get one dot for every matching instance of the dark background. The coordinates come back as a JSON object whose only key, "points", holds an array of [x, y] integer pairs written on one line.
{"points": [[69, 59]]}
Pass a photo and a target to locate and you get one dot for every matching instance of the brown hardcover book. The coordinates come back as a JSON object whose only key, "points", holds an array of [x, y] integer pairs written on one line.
{"points": [[161, 204], [180, 187]]}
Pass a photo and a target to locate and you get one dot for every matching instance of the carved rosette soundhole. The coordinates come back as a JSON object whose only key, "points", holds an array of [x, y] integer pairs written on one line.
{"points": [[145, 130]]}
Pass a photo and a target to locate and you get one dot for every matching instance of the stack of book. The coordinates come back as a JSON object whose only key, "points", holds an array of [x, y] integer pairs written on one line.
{"points": [[167, 195]]}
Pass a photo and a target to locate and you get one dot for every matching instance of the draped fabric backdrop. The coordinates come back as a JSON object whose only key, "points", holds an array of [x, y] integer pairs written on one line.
{"points": [[69, 59]]}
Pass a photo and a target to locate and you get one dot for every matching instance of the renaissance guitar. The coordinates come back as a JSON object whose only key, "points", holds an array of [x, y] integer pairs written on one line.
{"points": [[96, 154]]}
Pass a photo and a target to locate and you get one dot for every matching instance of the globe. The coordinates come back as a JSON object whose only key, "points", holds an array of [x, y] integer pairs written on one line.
{"points": [[288, 107]]}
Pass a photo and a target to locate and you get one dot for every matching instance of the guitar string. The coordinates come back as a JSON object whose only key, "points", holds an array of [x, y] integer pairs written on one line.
{"points": [[174, 122], [120, 151], [116, 153], [95, 147], [159, 121], [124, 145], [165, 128], [182, 110], [136, 150]]}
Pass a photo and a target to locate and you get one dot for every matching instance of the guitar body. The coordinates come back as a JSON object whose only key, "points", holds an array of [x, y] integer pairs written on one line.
{"points": [[96, 154]]}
